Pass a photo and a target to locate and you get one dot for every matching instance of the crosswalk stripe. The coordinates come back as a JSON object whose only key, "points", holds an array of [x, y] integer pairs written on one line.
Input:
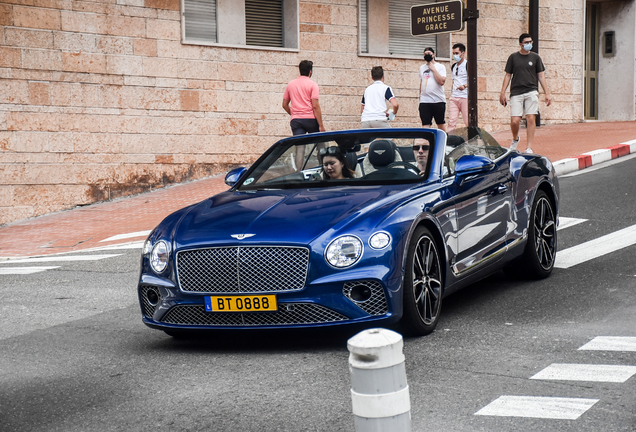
{"points": [[566, 222], [596, 248], [611, 343], [127, 236], [24, 270], [537, 407], [586, 372], [61, 258]]}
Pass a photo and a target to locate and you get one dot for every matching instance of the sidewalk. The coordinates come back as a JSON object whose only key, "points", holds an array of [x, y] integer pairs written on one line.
{"points": [[86, 227]]}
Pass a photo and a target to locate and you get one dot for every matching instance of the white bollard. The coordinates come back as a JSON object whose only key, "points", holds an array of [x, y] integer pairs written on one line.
{"points": [[379, 391]]}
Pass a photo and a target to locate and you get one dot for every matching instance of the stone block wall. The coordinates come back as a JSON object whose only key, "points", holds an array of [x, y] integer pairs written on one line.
{"points": [[100, 99]]}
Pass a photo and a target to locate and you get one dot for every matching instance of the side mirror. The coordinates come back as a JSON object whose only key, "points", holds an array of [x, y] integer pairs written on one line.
{"points": [[233, 176], [472, 164]]}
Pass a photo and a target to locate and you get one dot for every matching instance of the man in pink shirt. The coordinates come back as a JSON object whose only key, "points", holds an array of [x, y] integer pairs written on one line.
{"points": [[302, 92], [306, 116]]}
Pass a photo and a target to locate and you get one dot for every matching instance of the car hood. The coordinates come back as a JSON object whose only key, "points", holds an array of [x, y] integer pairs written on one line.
{"points": [[291, 216]]}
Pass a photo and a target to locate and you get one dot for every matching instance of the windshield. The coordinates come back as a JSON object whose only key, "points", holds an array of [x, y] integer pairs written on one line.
{"points": [[360, 158], [469, 141]]}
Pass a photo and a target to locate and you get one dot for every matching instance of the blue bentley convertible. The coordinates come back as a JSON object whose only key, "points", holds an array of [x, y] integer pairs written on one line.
{"points": [[369, 227]]}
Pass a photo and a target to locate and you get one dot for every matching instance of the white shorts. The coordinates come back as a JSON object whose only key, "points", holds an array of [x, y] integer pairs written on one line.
{"points": [[527, 103]]}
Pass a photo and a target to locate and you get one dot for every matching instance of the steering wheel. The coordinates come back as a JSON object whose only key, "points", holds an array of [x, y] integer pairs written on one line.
{"points": [[405, 165]]}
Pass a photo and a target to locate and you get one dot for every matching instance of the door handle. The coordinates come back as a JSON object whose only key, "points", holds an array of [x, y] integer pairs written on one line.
{"points": [[502, 189]]}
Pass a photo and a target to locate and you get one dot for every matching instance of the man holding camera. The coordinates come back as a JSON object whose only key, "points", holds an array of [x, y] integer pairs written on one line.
{"points": [[432, 97]]}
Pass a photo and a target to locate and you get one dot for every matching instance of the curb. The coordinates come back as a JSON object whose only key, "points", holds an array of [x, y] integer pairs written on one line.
{"points": [[566, 166]]}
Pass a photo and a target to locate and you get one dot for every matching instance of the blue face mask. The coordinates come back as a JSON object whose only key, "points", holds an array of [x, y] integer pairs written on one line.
{"points": [[527, 46], [457, 58]]}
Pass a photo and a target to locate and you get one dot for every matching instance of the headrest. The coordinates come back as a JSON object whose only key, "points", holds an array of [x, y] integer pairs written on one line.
{"points": [[352, 160], [407, 154], [454, 140], [381, 153]]}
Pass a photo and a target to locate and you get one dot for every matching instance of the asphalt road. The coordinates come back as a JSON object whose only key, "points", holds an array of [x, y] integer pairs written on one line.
{"points": [[75, 356]]}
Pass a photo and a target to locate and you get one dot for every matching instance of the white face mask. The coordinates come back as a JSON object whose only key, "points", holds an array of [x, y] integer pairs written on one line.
{"points": [[457, 58], [527, 46]]}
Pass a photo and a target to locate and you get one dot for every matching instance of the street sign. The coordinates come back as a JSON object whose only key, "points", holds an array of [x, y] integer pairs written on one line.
{"points": [[435, 18]]}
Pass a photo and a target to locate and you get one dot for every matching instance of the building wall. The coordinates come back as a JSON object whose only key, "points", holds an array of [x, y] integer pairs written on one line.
{"points": [[100, 99]]}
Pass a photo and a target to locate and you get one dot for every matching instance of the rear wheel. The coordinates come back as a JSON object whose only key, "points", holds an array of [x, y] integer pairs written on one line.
{"points": [[539, 255], [423, 285]]}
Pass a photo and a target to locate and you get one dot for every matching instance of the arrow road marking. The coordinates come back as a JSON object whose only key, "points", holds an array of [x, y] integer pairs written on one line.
{"points": [[596, 248], [537, 407], [24, 270], [611, 343], [566, 222], [586, 372]]}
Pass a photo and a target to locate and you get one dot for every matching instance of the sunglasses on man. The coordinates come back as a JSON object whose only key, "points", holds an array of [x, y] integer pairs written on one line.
{"points": [[418, 147]]}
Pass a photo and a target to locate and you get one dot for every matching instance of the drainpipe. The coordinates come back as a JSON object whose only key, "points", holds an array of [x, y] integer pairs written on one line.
{"points": [[533, 29], [533, 24]]}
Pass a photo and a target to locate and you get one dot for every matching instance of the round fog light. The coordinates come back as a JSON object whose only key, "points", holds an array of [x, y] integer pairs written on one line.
{"points": [[153, 297], [360, 293]]}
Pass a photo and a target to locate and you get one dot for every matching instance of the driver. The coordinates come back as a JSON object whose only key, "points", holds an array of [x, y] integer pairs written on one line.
{"points": [[334, 165], [421, 147]]}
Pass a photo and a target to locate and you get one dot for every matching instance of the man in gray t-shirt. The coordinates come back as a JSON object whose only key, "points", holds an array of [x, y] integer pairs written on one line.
{"points": [[525, 70]]}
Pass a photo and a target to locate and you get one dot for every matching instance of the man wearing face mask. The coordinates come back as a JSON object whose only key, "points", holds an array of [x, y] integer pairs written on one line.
{"points": [[458, 102], [525, 70], [432, 97]]}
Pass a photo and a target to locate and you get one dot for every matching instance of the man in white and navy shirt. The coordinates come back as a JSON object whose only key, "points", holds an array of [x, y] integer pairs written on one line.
{"points": [[374, 111]]}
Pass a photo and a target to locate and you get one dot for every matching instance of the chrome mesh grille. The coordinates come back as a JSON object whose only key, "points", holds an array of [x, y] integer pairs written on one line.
{"points": [[288, 314], [376, 304], [242, 269], [149, 310]]}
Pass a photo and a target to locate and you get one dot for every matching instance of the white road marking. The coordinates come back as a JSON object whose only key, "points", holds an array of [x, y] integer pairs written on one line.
{"points": [[586, 372], [611, 343], [596, 248], [127, 236], [60, 258], [566, 222], [131, 245], [537, 407], [24, 270]]}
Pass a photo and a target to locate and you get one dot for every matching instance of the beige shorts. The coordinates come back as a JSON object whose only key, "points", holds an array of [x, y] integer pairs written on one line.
{"points": [[527, 103], [375, 124]]}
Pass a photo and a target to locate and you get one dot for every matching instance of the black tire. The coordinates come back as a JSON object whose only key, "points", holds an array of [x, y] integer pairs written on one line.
{"points": [[540, 251], [423, 285]]}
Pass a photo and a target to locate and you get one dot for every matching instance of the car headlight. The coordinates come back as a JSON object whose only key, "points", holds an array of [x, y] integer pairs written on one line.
{"points": [[344, 251], [159, 256], [379, 240], [147, 248]]}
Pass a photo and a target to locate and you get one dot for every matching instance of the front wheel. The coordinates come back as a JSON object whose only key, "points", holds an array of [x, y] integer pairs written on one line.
{"points": [[423, 285]]}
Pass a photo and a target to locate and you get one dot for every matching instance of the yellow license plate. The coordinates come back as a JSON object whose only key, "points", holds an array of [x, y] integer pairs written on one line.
{"points": [[243, 303]]}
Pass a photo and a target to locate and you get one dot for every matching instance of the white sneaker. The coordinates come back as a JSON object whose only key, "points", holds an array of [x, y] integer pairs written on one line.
{"points": [[528, 150], [513, 144]]}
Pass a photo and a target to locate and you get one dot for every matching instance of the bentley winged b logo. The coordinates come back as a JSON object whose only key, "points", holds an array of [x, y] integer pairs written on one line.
{"points": [[242, 236]]}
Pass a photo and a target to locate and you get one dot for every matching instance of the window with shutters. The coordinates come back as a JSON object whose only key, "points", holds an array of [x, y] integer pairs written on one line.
{"points": [[249, 23], [385, 30]]}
